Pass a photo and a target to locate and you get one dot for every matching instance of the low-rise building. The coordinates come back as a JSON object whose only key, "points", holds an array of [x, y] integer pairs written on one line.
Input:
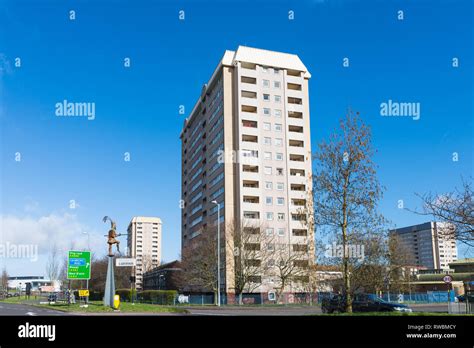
{"points": [[461, 272], [164, 277], [37, 283]]}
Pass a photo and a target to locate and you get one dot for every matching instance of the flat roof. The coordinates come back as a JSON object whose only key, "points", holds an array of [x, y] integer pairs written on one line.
{"points": [[466, 261], [146, 219], [254, 56], [410, 229]]}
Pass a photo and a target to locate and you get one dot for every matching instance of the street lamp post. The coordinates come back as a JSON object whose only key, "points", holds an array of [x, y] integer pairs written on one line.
{"points": [[218, 253], [88, 247], [160, 281], [88, 240]]}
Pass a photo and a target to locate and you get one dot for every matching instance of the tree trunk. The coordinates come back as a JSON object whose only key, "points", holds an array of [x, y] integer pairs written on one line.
{"points": [[345, 262], [278, 294], [347, 285]]}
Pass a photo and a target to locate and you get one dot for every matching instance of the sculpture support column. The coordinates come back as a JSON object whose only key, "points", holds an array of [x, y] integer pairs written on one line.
{"points": [[110, 283]]}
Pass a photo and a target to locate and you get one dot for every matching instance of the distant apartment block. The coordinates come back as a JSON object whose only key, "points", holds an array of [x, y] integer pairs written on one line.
{"points": [[144, 244], [255, 105], [427, 245]]}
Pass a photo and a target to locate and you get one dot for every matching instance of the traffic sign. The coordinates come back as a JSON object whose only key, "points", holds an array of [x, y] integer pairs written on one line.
{"points": [[79, 264], [83, 293], [125, 262], [447, 279]]}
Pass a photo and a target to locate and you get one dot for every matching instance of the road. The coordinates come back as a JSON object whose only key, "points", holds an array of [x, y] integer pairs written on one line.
{"points": [[294, 310], [429, 307], [21, 309], [267, 311], [27, 310]]}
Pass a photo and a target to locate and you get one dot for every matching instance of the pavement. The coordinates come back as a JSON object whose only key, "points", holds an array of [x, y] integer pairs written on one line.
{"points": [[295, 310], [429, 307], [255, 311]]}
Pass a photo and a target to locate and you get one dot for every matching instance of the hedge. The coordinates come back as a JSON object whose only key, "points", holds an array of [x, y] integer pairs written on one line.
{"points": [[126, 294], [96, 295], [162, 297]]}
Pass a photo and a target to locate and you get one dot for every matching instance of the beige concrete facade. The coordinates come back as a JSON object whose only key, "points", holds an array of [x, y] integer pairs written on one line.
{"points": [[144, 244], [256, 107], [427, 245]]}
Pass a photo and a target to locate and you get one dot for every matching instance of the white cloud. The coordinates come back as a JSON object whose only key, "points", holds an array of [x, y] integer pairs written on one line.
{"points": [[63, 230]]}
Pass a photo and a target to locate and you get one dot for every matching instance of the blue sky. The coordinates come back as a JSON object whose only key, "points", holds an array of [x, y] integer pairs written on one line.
{"points": [[65, 159]]}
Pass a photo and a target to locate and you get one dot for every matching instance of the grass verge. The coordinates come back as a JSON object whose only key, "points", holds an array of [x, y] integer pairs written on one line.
{"points": [[125, 307], [22, 300]]}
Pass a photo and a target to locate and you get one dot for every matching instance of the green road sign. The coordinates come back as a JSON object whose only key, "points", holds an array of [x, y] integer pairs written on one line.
{"points": [[79, 265]]}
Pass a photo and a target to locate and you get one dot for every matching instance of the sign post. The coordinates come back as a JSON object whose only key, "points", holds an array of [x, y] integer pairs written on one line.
{"points": [[447, 279], [128, 262], [79, 265], [125, 262]]}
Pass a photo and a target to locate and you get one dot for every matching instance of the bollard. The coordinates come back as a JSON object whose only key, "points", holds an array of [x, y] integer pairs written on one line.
{"points": [[116, 302]]}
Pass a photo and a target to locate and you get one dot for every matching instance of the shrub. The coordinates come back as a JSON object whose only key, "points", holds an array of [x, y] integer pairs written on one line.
{"points": [[162, 297], [125, 294], [96, 295]]}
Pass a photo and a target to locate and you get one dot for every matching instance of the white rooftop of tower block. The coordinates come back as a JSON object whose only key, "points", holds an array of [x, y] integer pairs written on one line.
{"points": [[254, 56], [270, 58], [146, 219]]}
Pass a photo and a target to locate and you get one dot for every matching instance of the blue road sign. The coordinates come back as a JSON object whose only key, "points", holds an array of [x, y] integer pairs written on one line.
{"points": [[77, 262]]}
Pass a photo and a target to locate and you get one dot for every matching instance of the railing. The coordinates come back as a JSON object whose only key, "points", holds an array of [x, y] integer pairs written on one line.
{"points": [[306, 299]]}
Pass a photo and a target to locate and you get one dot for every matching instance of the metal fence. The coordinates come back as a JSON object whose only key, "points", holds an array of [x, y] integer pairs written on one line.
{"points": [[460, 308], [317, 298], [261, 299], [426, 297], [199, 299], [251, 299]]}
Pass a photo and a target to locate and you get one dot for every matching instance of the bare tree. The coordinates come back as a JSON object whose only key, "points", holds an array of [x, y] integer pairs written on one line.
{"points": [[148, 263], [250, 261], [53, 263], [63, 259], [199, 262], [289, 266], [99, 275], [306, 214], [312, 286], [345, 188], [4, 280], [456, 208], [382, 266], [400, 263]]}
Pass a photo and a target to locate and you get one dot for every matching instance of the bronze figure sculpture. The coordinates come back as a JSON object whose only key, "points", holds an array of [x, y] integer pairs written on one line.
{"points": [[111, 236]]}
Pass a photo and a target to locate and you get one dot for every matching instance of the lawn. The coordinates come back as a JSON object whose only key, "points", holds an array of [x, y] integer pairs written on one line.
{"points": [[22, 300], [125, 307]]}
